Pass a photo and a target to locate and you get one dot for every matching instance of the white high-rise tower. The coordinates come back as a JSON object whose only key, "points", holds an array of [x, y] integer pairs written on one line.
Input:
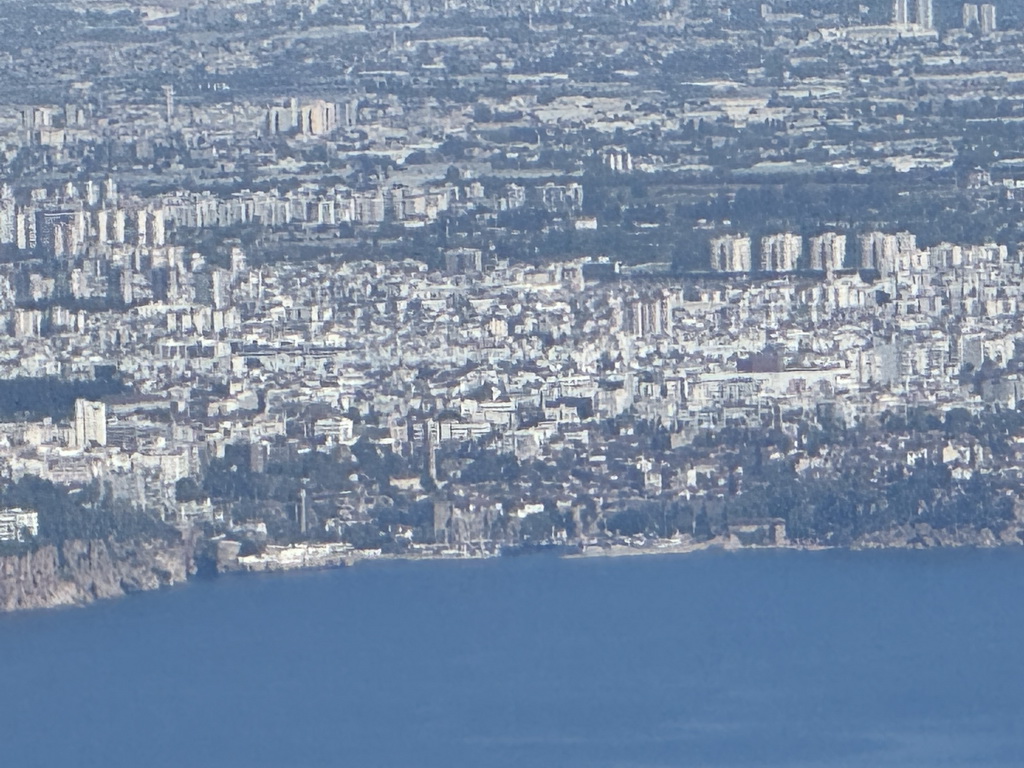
{"points": [[925, 14], [169, 103], [90, 423], [828, 251], [970, 16], [901, 12], [987, 14]]}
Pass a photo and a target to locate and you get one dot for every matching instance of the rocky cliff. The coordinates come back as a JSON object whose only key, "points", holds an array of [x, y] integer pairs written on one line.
{"points": [[924, 536], [80, 572]]}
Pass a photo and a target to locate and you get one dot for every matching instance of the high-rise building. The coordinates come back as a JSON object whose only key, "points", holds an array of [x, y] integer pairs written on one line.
{"points": [[110, 191], [987, 15], [169, 103], [239, 263], [884, 252], [314, 119], [781, 252], [101, 225], [828, 251], [8, 215], [157, 224], [351, 113], [320, 117], [901, 12], [92, 193], [57, 232], [25, 230], [90, 423], [120, 226], [971, 19], [925, 14], [141, 231], [650, 316], [731, 253]]}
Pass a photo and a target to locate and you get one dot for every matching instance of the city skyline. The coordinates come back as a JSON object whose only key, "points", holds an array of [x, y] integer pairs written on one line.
{"points": [[362, 281]]}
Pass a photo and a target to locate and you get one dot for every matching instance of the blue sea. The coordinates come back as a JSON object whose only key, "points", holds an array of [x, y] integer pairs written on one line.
{"points": [[758, 658]]}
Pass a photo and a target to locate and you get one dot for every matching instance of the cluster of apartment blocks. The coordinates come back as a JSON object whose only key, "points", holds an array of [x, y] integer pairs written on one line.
{"points": [[64, 222], [921, 13], [327, 338], [781, 252], [314, 118], [342, 205], [883, 252], [981, 17]]}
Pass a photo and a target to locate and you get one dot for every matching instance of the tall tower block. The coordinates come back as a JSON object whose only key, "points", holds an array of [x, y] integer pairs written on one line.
{"points": [[90, 426], [901, 12], [169, 103], [987, 18], [925, 14]]}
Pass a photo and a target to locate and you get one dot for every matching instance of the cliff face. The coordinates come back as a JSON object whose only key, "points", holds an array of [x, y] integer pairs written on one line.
{"points": [[924, 536], [80, 572]]}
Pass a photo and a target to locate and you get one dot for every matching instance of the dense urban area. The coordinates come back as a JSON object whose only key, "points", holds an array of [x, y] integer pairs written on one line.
{"points": [[288, 283]]}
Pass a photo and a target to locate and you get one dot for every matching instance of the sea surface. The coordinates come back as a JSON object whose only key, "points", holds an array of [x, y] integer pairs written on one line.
{"points": [[757, 658]]}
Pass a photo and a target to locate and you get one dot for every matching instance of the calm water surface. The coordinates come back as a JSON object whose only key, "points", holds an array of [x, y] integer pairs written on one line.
{"points": [[748, 659]]}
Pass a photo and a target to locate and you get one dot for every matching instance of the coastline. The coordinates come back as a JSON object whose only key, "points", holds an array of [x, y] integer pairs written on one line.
{"points": [[317, 556], [79, 573]]}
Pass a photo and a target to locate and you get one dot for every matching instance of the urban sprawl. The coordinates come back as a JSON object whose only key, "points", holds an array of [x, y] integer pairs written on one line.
{"points": [[320, 280]]}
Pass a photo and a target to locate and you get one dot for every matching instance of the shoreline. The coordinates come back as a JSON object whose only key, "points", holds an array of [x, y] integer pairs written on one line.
{"points": [[314, 556], [29, 587]]}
